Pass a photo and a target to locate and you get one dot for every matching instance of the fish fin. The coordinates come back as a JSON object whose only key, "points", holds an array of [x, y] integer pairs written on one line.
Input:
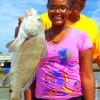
{"points": [[13, 46], [44, 52], [6, 80], [9, 43]]}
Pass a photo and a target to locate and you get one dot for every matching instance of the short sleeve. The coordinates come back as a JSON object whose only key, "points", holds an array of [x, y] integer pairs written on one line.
{"points": [[84, 42]]}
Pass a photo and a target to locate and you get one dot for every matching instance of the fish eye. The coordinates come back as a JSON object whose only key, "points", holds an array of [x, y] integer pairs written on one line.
{"points": [[39, 19]]}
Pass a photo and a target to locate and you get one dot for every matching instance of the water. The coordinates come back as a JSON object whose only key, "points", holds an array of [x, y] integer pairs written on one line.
{"points": [[4, 93], [97, 90], [97, 78], [97, 75]]}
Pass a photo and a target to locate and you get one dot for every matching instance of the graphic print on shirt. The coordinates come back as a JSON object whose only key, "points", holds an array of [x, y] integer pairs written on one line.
{"points": [[54, 79], [64, 55], [57, 77]]}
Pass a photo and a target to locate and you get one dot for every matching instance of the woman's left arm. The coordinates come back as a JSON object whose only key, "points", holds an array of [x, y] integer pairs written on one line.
{"points": [[87, 75]]}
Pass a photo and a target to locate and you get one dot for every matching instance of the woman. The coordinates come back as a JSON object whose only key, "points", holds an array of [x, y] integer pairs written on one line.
{"points": [[66, 72], [82, 22]]}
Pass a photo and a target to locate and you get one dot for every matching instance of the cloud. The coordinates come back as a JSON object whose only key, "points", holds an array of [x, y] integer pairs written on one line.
{"points": [[10, 10], [96, 14], [92, 10]]}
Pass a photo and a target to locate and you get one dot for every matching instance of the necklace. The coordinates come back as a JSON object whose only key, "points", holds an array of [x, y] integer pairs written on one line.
{"points": [[55, 42], [55, 39]]}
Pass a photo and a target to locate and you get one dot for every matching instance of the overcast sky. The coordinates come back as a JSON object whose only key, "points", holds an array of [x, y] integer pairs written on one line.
{"points": [[10, 10]]}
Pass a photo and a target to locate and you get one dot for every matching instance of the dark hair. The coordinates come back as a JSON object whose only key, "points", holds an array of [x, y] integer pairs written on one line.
{"points": [[69, 2]]}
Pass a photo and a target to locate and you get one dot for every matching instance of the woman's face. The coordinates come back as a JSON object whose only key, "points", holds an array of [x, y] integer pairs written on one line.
{"points": [[58, 11]]}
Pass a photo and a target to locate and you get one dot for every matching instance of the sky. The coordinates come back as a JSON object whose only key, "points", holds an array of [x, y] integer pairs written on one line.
{"points": [[10, 10]]}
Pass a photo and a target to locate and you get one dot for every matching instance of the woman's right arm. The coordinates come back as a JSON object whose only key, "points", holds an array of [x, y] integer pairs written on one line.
{"points": [[87, 75]]}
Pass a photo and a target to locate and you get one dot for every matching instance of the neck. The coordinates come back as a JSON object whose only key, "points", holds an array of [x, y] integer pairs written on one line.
{"points": [[56, 33], [58, 29]]}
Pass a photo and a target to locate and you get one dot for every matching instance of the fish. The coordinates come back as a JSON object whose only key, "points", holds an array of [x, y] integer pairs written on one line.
{"points": [[27, 49]]}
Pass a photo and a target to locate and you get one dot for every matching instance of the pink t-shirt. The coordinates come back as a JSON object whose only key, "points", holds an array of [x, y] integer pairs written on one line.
{"points": [[58, 75]]}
